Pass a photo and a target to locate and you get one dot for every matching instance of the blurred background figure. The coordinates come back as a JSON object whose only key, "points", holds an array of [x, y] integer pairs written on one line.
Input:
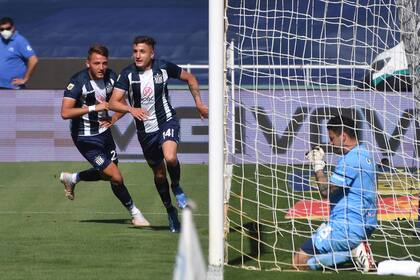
{"points": [[17, 58]]}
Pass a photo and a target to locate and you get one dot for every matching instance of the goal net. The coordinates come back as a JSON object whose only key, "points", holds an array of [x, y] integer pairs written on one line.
{"points": [[291, 66]]}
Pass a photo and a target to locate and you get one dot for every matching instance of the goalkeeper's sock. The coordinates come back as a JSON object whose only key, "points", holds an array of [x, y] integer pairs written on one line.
{"points": [[329, 260], [162, 187], [88, 175], [121, 192], [174, 172]]}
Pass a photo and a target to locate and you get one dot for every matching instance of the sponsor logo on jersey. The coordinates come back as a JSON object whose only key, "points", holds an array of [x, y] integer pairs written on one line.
{"points": [[147, 92], [158, 78], [29, 48], [147, 96], [147, 100], [100, 98], [70, 86]]}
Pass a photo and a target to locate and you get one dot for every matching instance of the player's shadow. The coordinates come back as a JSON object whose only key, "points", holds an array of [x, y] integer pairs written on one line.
{"points": [[107, 221], [124, 221], [155, 228]]}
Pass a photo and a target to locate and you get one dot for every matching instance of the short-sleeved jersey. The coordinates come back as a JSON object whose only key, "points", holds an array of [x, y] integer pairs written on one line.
{"points": [[149, 90], [14, 55], [88, 92], [353, 206]]}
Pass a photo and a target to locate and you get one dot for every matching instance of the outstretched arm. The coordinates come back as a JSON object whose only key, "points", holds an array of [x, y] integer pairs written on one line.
{"points": [[195, 92], [68, 110], [110, 121], [117, 103], [116, 116]]}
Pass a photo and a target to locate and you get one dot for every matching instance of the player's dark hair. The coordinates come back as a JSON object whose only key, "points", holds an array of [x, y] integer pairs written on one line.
{"points": [[340, 124], [6, 20], [144, 40], [99, 49]]}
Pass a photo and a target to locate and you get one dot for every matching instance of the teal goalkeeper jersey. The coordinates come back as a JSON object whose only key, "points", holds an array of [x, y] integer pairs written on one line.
{"points": [[353, 207]]}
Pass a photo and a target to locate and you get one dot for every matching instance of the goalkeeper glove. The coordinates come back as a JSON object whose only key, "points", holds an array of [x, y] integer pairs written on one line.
{"points": [[316, 158]]}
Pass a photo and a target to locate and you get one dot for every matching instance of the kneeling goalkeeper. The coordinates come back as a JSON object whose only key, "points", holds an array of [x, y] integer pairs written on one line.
{"points": [[351, 191]]}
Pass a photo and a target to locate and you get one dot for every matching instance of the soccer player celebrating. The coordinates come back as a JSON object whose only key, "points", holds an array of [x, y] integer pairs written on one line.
{"points": [[85, 102], [146, 83], [351, 190]]}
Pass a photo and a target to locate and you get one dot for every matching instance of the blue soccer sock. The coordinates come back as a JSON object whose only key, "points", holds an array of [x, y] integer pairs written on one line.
{"points": [[330, 260]]}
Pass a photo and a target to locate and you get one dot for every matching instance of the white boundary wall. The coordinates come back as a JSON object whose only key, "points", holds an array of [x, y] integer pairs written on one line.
{"points": [[31, 129]]}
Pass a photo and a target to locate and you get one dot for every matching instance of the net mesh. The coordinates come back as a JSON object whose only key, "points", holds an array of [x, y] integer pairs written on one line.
{"points": [[291, 66]]}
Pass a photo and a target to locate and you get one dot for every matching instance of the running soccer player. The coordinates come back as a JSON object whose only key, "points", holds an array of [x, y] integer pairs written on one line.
{"points": [[85, 103], [146, 84], [351, 190]]}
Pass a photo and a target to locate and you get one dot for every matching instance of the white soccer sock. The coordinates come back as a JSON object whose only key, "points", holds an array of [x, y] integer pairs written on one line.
{"points": [[134, 210], [74, 178]]}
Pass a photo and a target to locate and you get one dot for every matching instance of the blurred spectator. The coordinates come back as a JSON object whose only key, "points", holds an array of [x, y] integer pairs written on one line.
{"points": [[17, 58]]}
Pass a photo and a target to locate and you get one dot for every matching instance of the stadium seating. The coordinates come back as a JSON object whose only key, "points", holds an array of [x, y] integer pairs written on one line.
{"points": [[66, 28]]}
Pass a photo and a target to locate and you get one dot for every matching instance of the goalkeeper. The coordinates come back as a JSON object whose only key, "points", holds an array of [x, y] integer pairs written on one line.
{"points": [[351, 191]]}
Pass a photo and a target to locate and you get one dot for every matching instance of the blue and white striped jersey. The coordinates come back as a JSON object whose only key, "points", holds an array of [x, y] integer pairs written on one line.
{"points": [[149, 90], [89, 92]]}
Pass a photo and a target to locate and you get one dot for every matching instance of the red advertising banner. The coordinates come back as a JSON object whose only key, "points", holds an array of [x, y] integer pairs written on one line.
{"points": [[389, 209]]}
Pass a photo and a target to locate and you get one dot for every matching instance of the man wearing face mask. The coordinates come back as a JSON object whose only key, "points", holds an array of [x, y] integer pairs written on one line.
{"points": [[17, 58]]}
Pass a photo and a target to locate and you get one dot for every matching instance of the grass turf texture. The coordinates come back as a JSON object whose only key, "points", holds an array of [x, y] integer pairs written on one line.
{"points": [[260, 236], [45, 236]]}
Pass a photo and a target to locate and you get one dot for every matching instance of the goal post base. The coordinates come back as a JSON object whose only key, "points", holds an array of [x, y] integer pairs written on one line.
{"points": [[215, 272]]}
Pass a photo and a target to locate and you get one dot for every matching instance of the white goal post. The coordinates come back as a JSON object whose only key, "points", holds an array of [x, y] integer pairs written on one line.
{"points": [[216, 106], [290, 66]]}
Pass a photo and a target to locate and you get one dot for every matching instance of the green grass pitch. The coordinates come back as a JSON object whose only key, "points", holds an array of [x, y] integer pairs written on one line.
{"points": [[45, 236]]}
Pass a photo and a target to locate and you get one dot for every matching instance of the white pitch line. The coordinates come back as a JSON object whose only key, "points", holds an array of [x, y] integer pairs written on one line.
{"points": [[83, 213]]}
